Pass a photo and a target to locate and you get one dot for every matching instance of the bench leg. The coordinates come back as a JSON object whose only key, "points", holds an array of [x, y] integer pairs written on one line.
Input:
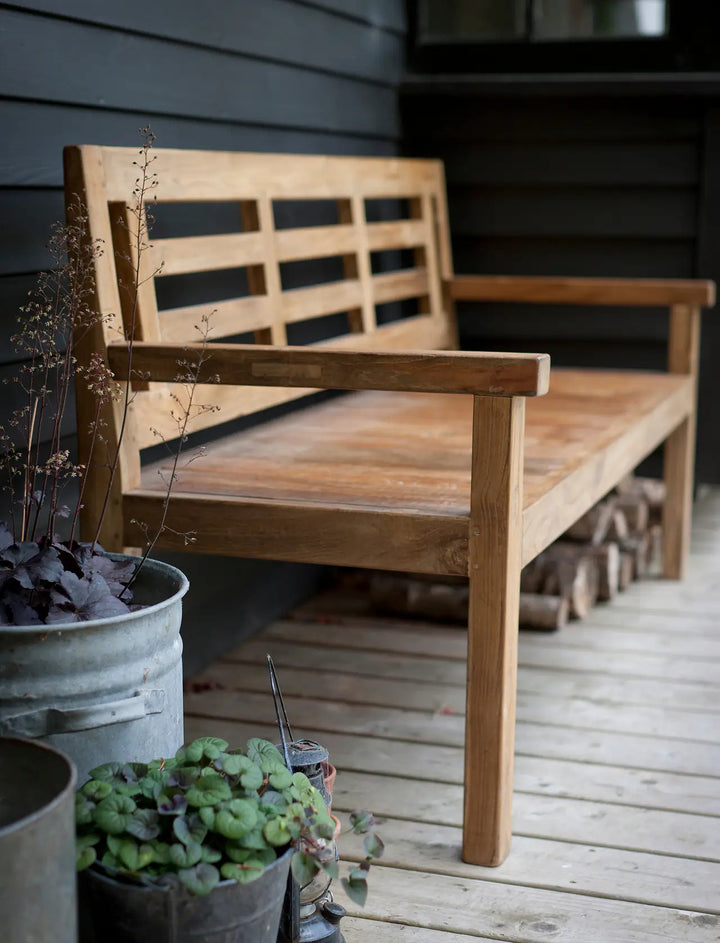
{"points": [[683, 357], [677, 510], [494, 570]]}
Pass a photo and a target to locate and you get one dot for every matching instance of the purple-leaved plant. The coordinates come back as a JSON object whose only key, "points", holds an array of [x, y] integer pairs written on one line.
{"points": [[43, 578]]}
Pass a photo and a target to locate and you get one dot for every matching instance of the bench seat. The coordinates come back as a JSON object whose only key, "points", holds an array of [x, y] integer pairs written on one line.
{"points": [[348, 452], [393, 454]]}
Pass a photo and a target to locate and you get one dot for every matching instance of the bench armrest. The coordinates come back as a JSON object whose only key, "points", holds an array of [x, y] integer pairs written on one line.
{"points": [[648, 292], [495, 374]]}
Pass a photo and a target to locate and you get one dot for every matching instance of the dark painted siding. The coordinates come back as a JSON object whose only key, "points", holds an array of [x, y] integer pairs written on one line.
{"points": [[292, 76], [553, 185]]}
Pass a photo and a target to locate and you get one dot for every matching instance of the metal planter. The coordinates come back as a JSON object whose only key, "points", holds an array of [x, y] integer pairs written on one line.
{"points": [[103, 690], [119, 912], [37, 844]]}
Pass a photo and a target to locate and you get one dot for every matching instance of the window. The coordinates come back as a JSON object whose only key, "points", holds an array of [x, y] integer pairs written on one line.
{"points": [[481, 36], [541, 19]]}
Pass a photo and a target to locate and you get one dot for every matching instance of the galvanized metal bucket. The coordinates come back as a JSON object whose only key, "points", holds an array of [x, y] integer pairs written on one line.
{"points": [[104, 690], [232, 913], [37, 844]]}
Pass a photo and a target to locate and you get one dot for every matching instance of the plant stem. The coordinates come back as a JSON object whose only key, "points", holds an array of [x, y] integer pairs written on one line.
{"points": [[26, 493], [139, 247], [182, 438], [83, 483]]}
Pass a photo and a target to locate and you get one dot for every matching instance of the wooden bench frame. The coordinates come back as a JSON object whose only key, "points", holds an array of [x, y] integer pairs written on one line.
{"points": [[499, 535]]}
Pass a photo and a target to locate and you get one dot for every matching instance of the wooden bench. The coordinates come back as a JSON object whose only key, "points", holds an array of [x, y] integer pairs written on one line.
{"points": [[396, 474]]}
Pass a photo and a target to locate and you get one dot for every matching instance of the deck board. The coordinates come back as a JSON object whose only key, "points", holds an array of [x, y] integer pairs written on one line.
{"points": [[617, 788]]}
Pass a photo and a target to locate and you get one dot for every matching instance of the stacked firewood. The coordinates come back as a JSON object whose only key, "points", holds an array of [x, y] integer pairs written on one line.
{"points": [[617, 541]]}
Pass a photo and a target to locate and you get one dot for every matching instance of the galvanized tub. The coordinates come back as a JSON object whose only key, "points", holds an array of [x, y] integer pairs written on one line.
{"points": [[104, 690], [37, 844], [231, 913]]}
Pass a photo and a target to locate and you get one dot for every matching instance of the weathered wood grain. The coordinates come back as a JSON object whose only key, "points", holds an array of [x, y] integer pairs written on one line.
{"points": [[543, 863], [432, 695], [579, 778], [532, 655], [526, 915]]}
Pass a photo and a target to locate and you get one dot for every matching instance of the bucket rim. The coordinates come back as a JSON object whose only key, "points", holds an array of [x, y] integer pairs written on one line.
{"points": [[152, 564], [97, 873], [57, 800]]}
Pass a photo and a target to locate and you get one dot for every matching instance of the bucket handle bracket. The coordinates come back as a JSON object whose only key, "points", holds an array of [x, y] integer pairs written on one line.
{"points": [[53, 720]]}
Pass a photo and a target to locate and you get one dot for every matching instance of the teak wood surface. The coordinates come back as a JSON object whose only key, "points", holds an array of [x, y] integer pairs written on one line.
{"points": [[435, 460]]}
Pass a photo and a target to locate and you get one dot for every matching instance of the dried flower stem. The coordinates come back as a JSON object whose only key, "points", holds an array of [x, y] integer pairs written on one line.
{"points": [[184, 418], [27, 485], [146, 181]]}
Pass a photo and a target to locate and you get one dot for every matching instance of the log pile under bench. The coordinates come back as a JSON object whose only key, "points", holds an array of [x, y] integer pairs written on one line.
{"points": [[617, 541]]}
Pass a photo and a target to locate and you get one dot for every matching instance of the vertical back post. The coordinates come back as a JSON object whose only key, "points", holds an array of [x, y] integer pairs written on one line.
{"points": [[273, 286], [85, 182], [441, 225], [352, 213], [494, 561], [255, 273], [257, 216]]}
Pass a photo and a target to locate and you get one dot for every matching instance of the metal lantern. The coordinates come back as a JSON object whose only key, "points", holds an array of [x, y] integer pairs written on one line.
{"points": [[310, 915]]}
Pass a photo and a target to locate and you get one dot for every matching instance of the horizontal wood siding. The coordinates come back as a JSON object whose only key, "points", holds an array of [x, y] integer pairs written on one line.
{"points": [[124, 70], [588, 186], [282, 75], [278, 76], [365, 36]]}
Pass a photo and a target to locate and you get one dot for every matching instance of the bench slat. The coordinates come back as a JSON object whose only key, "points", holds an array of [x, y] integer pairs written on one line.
{"points": [[205, 253], [314, 242], [418, 332], [403, 234], [396, 286], [229, 318], [301, 304]]}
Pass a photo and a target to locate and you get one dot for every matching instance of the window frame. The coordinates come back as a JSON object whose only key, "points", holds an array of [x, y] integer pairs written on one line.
{"points": [[688, 45]]}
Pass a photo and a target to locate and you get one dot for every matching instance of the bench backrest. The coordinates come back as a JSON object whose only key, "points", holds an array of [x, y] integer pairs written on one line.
{"points": [[363, 209], [266, 190]]}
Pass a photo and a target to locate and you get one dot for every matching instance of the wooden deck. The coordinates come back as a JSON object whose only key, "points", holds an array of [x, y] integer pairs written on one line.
{"points": [[617, 790]]}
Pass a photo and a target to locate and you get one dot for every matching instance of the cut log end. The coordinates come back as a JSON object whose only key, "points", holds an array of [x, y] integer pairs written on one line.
{"points": [[543, 612], [614, 543]]}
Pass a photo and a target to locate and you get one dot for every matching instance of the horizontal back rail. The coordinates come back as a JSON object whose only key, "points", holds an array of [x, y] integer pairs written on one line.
{"points": [[230, 175]]}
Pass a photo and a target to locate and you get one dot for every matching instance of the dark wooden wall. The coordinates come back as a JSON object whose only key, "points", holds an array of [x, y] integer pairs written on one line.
{"points": [[569, 178], [278, 75], [544, 179]]}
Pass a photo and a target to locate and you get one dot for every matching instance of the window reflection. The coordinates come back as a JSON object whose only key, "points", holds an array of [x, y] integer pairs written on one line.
{"points": [[585, 19], [458, 20], [474, 19]]}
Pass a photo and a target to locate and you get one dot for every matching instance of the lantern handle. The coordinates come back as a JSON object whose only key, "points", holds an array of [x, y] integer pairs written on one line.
{"points": [[280, 705]]}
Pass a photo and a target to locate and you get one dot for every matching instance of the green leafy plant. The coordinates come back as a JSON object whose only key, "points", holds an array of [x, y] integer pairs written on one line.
{"points": [[210, 813]]}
